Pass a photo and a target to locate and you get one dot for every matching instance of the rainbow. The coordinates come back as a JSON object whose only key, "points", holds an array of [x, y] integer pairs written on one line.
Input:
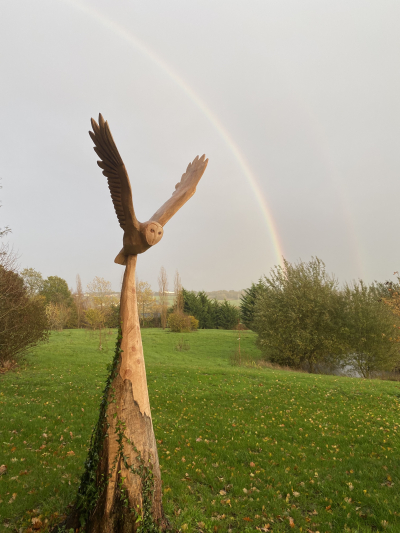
{"points": [[195, 98]]}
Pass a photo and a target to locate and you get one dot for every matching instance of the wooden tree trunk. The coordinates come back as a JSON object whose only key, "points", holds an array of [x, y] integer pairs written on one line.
{"points": [[122, 492]]}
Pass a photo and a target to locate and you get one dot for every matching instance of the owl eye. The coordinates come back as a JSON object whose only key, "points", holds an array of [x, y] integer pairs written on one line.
{"points": [[159, 232], [152, 231]]}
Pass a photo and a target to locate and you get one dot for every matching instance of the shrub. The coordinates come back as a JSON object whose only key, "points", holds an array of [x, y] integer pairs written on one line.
{"points": [[370, 325], [299, 316], [179, 322], [194, 323], [23, 321]]}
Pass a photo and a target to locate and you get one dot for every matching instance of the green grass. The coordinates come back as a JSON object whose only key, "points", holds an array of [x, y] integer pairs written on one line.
{"points": [[239, 447]]}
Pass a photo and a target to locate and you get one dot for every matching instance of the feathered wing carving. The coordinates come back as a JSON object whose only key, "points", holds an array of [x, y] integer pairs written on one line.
{"points": [[115, 172], [184, 190]]}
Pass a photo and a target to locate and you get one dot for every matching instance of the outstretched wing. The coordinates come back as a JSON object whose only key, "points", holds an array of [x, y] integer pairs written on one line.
{"points": [[115, 171], [184, 190]]}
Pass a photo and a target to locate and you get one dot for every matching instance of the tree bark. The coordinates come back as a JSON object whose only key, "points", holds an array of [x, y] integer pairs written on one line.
{"points": [[127, 478]]}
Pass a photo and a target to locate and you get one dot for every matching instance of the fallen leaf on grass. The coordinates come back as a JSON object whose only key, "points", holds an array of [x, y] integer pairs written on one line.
{"points": [[13, 497], [70, 453], [247, 519], [3, 470], [37, 523]]}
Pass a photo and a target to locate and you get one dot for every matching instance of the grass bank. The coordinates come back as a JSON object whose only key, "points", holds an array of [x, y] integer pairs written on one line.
{"points": [[241, 449]]}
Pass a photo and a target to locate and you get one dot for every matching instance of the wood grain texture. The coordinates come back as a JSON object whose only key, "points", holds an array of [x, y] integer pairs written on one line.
{"points": [[132, 359]]}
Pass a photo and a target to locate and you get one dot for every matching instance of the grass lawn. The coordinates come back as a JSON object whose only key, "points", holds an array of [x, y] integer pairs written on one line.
{"points": [[241, 449]]}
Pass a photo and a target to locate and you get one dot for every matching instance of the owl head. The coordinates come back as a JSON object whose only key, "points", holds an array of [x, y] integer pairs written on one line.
{"points": [[153, 232]]}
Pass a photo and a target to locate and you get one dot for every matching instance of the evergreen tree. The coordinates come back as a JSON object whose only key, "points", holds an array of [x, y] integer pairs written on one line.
{"points": [[228, 316], [210, 313], [248, 302]]}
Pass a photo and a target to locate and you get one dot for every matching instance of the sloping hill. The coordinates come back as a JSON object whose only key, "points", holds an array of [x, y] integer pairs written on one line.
{"points": [[240, 448]]}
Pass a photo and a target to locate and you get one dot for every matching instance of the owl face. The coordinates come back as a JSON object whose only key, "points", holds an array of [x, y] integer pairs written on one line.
{"points": [[153, 233]]}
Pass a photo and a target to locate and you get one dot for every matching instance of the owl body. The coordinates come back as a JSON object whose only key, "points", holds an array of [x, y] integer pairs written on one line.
{"points": [[137, 242]]}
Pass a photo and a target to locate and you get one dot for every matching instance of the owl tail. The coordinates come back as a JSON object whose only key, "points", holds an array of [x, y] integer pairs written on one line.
{"points": [[121, 258]]}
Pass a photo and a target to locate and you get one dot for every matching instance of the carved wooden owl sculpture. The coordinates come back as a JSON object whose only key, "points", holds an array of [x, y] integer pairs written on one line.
{"points": [[139, 236]]}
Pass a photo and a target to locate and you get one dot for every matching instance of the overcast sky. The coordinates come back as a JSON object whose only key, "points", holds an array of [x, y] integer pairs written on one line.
{"points": [[302, 94]]}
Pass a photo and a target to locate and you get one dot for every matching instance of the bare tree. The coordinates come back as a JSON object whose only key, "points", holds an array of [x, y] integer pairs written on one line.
{"points": [[163, 297], [146, 301], [57, 315], [100, 299], [178, 303], [79, 298], [33, 281], [3, 231]]}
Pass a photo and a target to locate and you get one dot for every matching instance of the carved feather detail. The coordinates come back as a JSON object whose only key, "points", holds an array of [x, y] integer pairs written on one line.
{"points": [[114, 170], [184, 190]]}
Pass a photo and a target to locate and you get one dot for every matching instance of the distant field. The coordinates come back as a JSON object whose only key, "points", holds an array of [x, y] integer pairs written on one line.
{"points": [[170, 300], [236, 303], [241, 449]]}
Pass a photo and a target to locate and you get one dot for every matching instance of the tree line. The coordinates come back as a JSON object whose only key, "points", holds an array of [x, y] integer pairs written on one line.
{"points": [[31, 306], [194, 310], [305, 320], [210, 313]]}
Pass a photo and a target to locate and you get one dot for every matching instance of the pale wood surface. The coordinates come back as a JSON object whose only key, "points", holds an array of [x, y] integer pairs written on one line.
{"points": [[132, 363], [184, 190]]}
